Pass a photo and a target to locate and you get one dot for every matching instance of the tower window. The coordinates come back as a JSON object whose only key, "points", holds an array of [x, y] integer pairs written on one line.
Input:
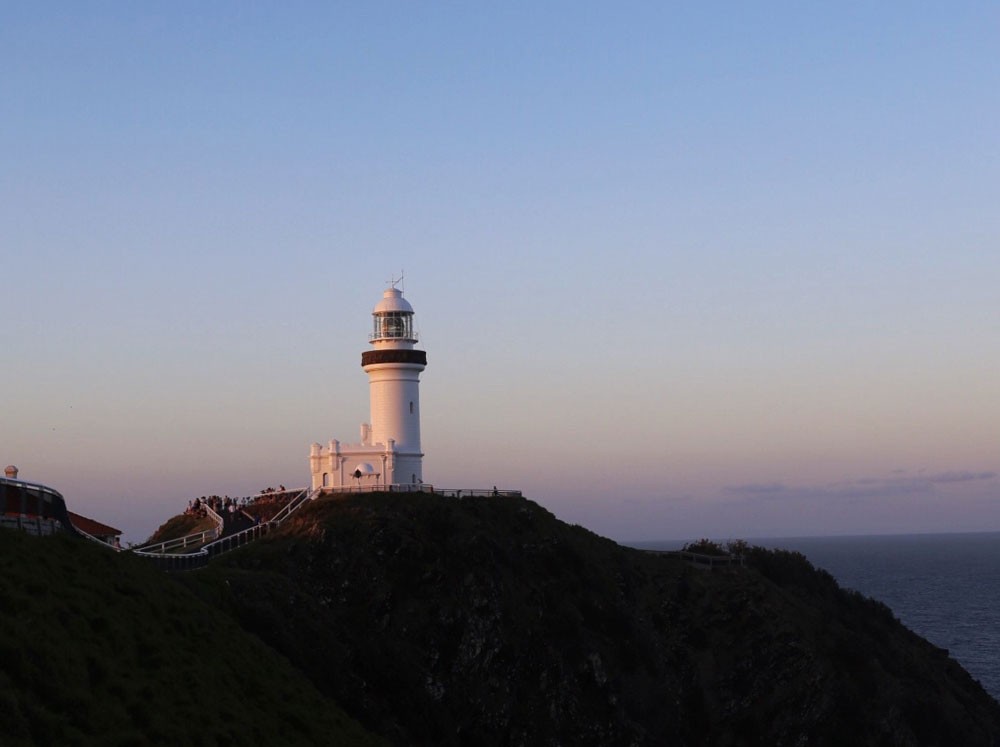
{"points": [[411, 408]]}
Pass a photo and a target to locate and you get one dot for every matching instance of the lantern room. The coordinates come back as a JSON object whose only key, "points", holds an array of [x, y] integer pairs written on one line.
{"points": [[392, 319]]}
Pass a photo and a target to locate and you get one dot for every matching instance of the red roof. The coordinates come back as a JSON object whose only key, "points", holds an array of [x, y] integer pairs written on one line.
{"points": [[93, 528]]}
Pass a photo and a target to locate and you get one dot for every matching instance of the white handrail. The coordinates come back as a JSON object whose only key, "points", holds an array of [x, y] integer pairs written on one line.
{"points": [[292, 505], [220, 545], [424, 488], [188, 539], [91, 537], [219, 521]]}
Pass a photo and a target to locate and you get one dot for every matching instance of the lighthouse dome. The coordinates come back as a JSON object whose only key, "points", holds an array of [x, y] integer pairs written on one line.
{"points": [[392, 301]]}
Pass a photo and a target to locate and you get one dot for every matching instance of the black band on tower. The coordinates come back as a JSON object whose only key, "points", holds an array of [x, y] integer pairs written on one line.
{"points": [[371, 357]]}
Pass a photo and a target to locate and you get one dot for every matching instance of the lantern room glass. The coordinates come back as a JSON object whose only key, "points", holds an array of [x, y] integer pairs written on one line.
{"points": [[393, 325]]}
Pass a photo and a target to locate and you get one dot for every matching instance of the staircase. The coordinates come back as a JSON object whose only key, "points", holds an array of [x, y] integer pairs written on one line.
{"points": [[227, 536]]}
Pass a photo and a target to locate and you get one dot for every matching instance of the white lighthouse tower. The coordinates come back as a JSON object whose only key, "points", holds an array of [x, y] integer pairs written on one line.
{"points": [[389, 453], [393, 369]]}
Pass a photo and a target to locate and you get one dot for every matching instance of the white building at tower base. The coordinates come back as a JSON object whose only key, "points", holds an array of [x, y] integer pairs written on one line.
{"points": [[339, 465]]}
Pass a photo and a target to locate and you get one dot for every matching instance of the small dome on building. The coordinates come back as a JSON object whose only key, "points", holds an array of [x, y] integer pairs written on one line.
{"points": [[392, 300], [10, 471]]}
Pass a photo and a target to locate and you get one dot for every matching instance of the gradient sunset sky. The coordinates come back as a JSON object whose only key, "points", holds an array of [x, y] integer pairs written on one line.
{"points": [[680, 270]]}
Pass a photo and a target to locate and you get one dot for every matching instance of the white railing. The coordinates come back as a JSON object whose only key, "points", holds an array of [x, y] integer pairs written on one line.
{"points": [[293, 505], [198, 538], [424, 488], [179, 543], [219, 521], [99, 541], [159, 552], [469, 492], [196, 559], [24, 485]]}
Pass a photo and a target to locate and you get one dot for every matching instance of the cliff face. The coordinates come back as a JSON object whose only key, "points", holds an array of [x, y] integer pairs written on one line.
{"points": [[487, 621]]}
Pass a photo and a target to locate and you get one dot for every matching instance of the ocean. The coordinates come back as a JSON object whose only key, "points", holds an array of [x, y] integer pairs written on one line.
{"points": [[943, 587]]}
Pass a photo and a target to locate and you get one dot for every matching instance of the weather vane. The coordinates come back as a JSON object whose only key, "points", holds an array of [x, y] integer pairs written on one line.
{"points": [[393, 280]]}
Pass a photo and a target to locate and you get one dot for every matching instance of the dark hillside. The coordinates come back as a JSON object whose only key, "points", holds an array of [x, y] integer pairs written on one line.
{"points": [[100, 648], [486, 621]]}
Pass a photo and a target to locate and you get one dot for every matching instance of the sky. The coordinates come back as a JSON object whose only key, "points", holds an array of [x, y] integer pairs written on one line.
{"points": [[681, 270]]}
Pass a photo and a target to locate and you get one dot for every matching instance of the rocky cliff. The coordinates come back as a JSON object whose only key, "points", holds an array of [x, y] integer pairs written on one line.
{"points": [[487, 621]]}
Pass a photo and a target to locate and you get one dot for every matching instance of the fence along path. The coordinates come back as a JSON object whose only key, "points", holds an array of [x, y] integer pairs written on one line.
{"points": [[190, 540], [220, 543]]}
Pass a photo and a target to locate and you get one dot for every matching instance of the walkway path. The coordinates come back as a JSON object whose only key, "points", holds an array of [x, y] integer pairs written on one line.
{"points": [[235, 522]]}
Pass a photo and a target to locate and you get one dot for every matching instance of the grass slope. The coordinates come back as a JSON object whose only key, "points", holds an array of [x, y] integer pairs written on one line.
{"points": [[100, 648], [180, 526]]}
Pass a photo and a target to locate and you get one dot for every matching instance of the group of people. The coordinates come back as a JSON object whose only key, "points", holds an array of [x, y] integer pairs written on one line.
{"points": [[220, 504], [258, 507]]}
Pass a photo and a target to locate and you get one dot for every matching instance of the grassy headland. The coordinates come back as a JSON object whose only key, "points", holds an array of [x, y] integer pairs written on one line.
{"points": [[97, 647], [474, 621], [487, 621]]}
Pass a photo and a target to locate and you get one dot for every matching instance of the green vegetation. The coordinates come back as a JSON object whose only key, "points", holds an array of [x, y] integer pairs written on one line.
{"points": [[706, 547], [732, 548], [180, 526], [100, 648]]}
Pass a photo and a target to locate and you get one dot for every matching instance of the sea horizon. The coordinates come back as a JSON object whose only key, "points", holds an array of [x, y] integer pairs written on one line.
{"points": [[769, 539]]}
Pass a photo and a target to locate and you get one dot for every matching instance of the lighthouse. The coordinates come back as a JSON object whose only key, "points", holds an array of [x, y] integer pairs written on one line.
{"points": [[389, 452]]}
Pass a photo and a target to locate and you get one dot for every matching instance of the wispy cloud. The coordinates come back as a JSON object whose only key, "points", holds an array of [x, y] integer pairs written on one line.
{"points": [[867, 487], [962, 476]]}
